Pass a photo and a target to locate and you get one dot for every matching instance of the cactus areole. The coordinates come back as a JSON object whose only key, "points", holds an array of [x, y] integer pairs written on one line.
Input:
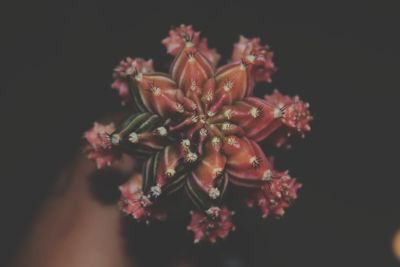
{"points": [[198, 129]]}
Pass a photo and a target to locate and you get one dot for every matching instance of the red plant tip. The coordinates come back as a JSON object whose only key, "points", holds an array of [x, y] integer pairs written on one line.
{"points": [[185, 36], [210, 225], [298, 116], [126, 68], [133, 202], [252, 52], [99, 145], [293, 114], [275, 195]]}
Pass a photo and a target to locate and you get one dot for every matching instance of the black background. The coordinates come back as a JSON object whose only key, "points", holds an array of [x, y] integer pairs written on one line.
{"points": [[58, 59]]}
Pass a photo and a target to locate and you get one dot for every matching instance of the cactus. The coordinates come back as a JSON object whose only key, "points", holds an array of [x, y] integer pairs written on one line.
{"points": [[198, 129]]}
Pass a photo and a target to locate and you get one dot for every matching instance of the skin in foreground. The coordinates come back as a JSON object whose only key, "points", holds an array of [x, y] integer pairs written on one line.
{"points": [[75, 229]]}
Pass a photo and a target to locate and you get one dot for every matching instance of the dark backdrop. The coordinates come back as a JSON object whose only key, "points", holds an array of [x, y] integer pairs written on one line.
{"points": [[343, 60]]}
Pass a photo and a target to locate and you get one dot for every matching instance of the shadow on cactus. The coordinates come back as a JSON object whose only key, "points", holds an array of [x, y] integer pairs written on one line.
{"points": [[197, 129]]}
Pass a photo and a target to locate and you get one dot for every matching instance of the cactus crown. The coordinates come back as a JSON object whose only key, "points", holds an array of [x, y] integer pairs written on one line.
{"points": [[197, 129]]}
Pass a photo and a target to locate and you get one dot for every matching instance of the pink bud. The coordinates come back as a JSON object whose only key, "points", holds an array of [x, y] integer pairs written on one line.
{"points": [[211, 224], [98, 147]]}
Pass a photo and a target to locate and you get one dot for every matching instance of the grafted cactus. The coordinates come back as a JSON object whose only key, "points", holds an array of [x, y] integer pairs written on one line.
{"points": [[197, 129]]}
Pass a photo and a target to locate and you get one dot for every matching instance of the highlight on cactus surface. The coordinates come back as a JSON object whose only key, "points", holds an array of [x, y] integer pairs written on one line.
{"points": [[198, 129]]}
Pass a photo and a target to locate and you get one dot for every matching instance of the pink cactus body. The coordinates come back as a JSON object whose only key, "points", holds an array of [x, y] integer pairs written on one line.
{"points": [[197, 129]]}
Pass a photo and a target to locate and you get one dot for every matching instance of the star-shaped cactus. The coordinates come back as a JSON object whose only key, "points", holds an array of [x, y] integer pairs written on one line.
{"points": [[197, 129]]}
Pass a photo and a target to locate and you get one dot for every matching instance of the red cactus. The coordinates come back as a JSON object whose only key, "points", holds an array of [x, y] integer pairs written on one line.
{"points": [[198, 128]]}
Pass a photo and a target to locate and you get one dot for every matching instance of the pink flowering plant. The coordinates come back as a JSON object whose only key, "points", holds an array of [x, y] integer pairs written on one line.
{"points": [[198, 129]]}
